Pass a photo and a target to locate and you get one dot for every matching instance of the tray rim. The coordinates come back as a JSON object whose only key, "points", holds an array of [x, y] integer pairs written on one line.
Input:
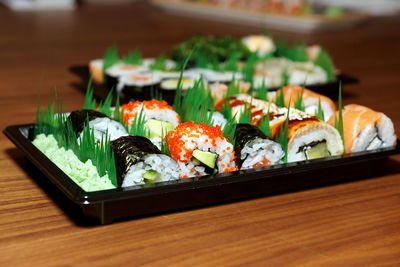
{"points": [[81, 197]]}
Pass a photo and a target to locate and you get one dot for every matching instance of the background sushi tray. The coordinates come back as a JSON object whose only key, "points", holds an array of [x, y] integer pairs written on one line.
{"points": [[255, 60], [102, 90], [297, 16], [106, 206]]}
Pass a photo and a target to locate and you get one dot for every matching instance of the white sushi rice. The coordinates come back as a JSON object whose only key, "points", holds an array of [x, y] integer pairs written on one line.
{"points": [[102, 126], [218, 119], [222, 76], [121, 69], [258, 150], [166, 167], [375, 136]]}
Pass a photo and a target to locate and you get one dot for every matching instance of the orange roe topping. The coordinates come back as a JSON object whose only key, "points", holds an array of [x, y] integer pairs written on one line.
{"points": [[263, 163], [176, 143], [132, 108]]}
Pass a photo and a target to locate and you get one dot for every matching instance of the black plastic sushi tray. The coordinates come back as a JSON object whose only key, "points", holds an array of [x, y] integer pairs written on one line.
{"points": [[329, 89], [110, 205]]}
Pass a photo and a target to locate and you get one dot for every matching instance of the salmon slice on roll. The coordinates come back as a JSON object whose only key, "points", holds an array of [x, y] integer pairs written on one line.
{"points": [[308, 137], [310, 100], [365, 129]]}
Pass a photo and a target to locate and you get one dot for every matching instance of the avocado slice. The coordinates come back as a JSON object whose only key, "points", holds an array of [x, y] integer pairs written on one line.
{"points": [[316, 151], [207, 158], [151, 175], [158, 128]]}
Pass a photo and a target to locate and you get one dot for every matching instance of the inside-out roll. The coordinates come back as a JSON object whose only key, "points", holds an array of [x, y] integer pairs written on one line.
{"points": [[310, 100], [139, 162], [99, 122], [200, 149], [254, 148], [365, 129]]}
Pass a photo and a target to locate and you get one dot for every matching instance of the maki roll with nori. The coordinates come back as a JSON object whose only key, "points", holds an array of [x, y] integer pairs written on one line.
{"points": [[200, 149], [138, 162], [168, 88], [114, 73], [98, 122], [138, 86], [254, 148]]}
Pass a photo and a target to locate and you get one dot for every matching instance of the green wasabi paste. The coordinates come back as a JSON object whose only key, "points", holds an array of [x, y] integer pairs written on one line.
{"points": [[83, 174]]}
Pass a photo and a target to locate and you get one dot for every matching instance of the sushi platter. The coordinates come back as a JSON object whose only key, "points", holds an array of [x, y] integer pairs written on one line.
{"points": [[212, 143], [108, 206]]}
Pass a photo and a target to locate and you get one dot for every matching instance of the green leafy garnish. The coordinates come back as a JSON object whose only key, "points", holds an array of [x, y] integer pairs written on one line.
{"points": [[137, 128], [282, 136], [110, 57], [320, 112], [262, 92], [232, 62], [160, 63], [280, 98], [248, 69], [339, 121], [229, 129], [324, 60], [105, 106], [90, 102], [264, 125], [298, 104], [133, 58]]}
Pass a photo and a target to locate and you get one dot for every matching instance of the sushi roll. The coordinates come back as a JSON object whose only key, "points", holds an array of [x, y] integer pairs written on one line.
{"points": [[138, 86], [200, 149], [365, 129], [99, 122], [221, 76], [306, 73], [114, 73], [160, 118], [254, 148], [139, 162], [96, 70], [310, 99], [168, 88]]}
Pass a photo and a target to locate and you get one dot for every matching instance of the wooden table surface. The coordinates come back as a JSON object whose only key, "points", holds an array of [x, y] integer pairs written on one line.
{"points": [[356, 223]]}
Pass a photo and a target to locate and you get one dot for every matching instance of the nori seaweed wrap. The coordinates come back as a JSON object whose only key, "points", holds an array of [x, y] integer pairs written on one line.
{"points": [[139, 161], [80, 117], [97, 121], [254, 149]]}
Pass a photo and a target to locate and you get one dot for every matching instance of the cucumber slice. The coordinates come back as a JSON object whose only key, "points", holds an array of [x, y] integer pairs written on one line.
{"points": [[316, 151], [158, 128], [151, 175], [207, 158]]}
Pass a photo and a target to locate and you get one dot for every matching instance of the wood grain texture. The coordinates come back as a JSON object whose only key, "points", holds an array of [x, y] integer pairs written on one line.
{"points": [[352, 224]]}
